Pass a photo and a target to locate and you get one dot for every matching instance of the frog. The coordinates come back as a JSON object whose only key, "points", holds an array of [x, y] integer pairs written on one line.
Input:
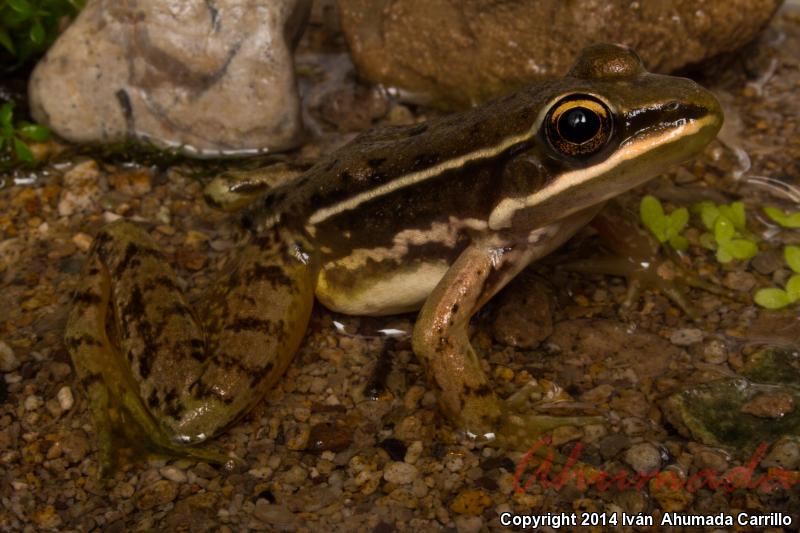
{"points": [[434, 217]]}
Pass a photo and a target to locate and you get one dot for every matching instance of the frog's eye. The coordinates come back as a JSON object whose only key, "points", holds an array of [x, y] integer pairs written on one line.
{"points": [[578, 125]]}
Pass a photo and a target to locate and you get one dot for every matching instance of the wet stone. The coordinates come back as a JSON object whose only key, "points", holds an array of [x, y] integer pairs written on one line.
{"points": [[770, 405], [277, 516], [329, 436], [400, 473], [208, 78], [8, 360], [643, 457], [686, 337], [159, 493]]}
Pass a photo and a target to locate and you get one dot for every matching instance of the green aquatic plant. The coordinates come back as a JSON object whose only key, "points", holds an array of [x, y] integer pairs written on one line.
{"points": [[791, 220], [666, 228], [775, 298], [15, 136], [29, 27], [727, 231]]}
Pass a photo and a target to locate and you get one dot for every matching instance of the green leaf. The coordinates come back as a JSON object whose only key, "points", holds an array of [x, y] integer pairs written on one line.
{"points": [[723, 229], [652, 215], [678, 242], [678, 220], [772, 298], [793, 287], [723, 255], [6, 114], [6, 41], [791, 220], [792, 256], [22, 7], [735, 213], [37, 33], [708, 214], [34, 132], [22, 151], [740, 248]]}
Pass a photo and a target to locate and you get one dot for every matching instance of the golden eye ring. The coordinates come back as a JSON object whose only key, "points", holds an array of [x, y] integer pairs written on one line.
{"points": [[578, 125]]}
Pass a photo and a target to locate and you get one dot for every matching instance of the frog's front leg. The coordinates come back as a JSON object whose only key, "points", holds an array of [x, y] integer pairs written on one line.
{"points": [[442, 343], [160, 374]]}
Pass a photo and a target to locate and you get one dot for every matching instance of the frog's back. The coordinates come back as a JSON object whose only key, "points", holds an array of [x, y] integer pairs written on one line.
{"points": [[392, 157]]}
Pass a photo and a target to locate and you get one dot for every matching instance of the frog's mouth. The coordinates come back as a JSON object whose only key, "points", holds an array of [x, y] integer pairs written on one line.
{"points": [[669, 140]]}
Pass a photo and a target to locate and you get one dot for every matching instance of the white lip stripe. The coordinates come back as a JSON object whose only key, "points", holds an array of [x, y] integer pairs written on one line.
{"points": [[502, 214]]}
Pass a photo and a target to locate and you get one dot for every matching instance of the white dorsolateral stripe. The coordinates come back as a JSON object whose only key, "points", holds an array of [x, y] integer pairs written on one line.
{"points": [[502, 214], [415, 177]]}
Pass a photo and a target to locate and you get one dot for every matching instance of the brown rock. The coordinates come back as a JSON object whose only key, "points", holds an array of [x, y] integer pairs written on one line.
{"points": [[524, 318], [205, 77], [159, 493], [463, 52], [770, 405]]}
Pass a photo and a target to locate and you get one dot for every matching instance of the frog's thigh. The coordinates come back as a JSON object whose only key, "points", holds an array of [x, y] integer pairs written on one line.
{"points": [[378, 287], [192, 382]]}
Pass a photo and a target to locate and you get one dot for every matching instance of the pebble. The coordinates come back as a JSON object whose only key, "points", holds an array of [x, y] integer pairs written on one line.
{"points": [[277, 516], [770, 405], [413, 452], [686, 337], [83, 241], [8, 361], [65, 398], [471, 502], [81, 192], [173, 474], [784, 454], [468, 524], [33, 402], [400, 473], [161, 492], [75, 446], [643, 457], [715, 352]]}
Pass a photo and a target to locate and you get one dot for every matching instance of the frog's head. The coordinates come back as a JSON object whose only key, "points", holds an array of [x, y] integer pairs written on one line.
{"points": [[606, 127]]}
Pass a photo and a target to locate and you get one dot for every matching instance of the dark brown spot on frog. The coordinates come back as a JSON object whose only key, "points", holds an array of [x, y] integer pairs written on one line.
{"points": [[424, 161], [152, 400], [74, 343], [274, 274], [87, 297], [250, 324], [376, 162]]}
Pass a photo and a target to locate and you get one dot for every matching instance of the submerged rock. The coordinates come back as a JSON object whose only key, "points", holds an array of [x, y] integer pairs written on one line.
{"points": [[463, 52], [722, 413], [209, 77]]}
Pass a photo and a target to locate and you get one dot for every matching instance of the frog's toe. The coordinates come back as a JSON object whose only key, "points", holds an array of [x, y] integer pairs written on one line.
{"points": [[524, 421], [521, 431]]}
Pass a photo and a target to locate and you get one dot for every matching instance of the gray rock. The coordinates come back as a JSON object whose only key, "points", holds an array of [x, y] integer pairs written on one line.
{"points": [[210, 77]]}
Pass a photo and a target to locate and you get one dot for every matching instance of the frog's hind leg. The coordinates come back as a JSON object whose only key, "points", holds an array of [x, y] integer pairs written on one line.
{"points": [[156, 378]]}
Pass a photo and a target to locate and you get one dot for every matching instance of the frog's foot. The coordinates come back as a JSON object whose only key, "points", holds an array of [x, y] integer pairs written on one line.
{"points": [[524, 421], [127, 433]]}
